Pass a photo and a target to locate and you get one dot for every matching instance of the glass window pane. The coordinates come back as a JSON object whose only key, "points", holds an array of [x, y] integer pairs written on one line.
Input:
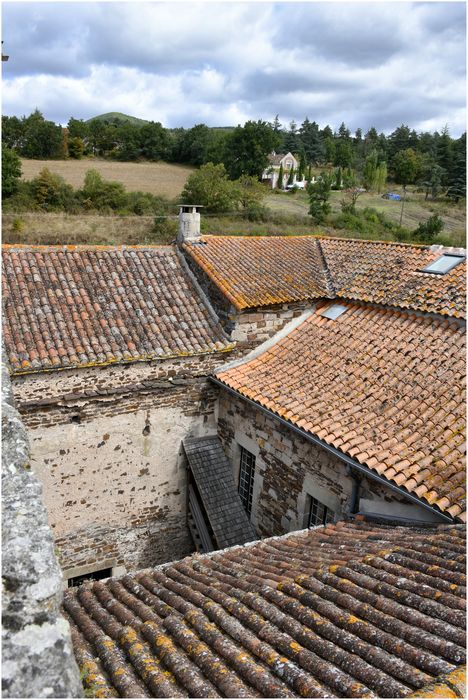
{"points": [[444, 264], [246, 479], [334, 311]]}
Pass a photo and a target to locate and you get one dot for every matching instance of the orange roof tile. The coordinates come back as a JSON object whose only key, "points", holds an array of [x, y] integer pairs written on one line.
{"points": [[262, 270], [266, 270], [73, 307], [386, 389], [389, 274]]}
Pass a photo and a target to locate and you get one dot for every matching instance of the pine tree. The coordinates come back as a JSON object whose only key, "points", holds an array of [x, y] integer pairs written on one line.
{"points": [[280, 177]]}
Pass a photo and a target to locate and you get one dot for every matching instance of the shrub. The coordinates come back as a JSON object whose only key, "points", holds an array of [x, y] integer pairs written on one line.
{"points": [[145, 204], [428, 230], [211, 188], [165, 228], [51, 192], [11, 172], [101, 194], [21, 200], [256, 212]]}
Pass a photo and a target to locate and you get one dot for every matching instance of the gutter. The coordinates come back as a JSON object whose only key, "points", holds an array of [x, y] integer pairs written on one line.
{"points": [[337, 453]]}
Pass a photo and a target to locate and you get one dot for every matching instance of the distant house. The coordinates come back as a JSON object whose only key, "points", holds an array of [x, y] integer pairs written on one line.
{"points": [[276, 160]]}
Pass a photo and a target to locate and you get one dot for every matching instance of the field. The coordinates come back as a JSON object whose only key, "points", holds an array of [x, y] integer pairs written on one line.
{"points": [[416, 209], [158, 178], [288, 211]]}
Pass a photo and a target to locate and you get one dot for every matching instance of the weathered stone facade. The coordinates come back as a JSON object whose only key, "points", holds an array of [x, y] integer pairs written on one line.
{"points": [[37, 656], [289, 470], [105, 444]]}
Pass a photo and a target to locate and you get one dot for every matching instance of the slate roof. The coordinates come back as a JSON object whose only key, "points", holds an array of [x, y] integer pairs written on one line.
{"points": [[385, 387], [213, 476], [81, 306], [275, 159], [265, 270], [350, 610]]}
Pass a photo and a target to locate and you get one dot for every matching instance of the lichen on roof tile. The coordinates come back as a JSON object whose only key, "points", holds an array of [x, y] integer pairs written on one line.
{"points": [[266, 270], [67, 307], [317, 613]]}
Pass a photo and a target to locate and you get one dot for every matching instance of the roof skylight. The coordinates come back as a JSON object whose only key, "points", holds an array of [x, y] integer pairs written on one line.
{"points": [[444, 264], [334, 311]]}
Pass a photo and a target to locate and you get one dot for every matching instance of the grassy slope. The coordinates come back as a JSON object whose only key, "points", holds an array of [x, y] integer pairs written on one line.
{"points": [[416, 209], [158, 178]]}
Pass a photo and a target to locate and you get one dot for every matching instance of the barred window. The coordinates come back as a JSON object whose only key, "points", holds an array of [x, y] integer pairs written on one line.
{"points": [[246, 478]]}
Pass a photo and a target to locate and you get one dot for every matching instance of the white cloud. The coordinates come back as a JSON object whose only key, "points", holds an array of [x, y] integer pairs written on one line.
{"points": [[366, 64]]}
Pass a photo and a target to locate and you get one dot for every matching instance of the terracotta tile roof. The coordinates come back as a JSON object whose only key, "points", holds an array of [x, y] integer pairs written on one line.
{"points": [[342, 611], [260, 271], [384, 387], [388, 273], [265, 270], [74, 307]]}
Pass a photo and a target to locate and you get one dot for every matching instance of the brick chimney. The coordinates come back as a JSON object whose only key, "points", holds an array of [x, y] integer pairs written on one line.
{"points": [[189, 223]]}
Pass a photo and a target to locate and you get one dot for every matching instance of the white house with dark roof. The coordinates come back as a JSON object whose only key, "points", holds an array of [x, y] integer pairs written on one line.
{"points": [[276, 160]]}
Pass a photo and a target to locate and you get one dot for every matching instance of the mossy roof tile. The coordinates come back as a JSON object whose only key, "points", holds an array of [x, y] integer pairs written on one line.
{"points": [[340, 611]]}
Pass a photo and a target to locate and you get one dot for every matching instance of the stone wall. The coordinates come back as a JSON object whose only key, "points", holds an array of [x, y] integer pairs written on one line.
{"points": [[105, 443], [290, 469], [257, 325], [37, 657]]}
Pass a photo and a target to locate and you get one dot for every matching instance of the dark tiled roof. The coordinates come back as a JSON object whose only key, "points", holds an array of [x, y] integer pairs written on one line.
{"points": [[74, 307], [384, 387], [212, 472], [351, 610], [261, 271], [277, 158]]}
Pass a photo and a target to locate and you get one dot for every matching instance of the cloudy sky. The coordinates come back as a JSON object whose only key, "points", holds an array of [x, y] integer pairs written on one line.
{"points": [[368, 64]]}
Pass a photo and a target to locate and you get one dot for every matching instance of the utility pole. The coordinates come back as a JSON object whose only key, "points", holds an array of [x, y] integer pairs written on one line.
{"points": [[403, 203]]}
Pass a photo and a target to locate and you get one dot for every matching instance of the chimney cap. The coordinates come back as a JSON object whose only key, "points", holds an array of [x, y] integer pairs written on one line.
{"points": [[188, 207]]}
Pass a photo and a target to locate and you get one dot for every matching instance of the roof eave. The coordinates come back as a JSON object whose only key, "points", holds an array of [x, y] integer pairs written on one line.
{"points": [[367, 471]]}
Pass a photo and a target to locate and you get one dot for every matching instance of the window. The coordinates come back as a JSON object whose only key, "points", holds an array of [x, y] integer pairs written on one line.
{"points": [[246, 478], [92, 576], [319, 514], [443, 264], [334, 311]]}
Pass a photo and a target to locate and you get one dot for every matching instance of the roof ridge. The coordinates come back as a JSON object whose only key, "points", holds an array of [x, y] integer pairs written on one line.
{"points": [[83, 247], [326, 270]]}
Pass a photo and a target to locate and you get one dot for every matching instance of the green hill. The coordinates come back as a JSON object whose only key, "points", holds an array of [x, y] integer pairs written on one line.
{"points": [[118, 116]]}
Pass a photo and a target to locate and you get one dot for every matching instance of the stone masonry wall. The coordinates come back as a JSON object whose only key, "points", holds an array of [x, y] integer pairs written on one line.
{"points": [[105, 444], [254, 326], [290, 468], [37, 656]]}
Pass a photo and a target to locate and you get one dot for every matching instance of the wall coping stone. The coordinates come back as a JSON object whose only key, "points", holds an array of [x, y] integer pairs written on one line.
{"points": [[37, 659]]}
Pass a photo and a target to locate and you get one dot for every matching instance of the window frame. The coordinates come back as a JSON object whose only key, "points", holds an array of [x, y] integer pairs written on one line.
{"points": [[327, 515], [247, 464], [458, 258]]}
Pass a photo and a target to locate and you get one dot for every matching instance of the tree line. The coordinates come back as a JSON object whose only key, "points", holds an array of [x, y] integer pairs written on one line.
{"points": [[435, 160]]}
